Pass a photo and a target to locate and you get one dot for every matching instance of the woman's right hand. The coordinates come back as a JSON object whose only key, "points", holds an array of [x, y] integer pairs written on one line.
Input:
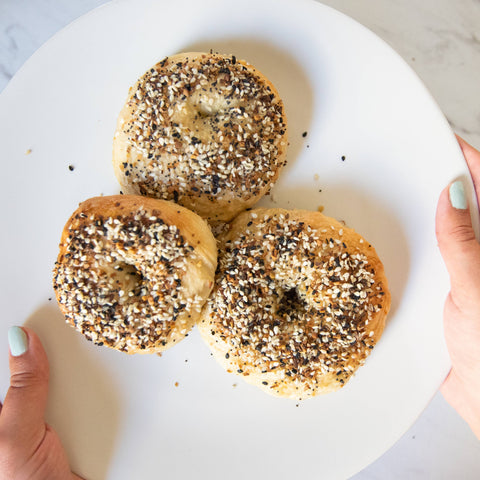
{"points": [[461, 253]]}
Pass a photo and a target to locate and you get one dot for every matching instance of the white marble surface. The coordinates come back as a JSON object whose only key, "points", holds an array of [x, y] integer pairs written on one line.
{"points": [[440, 39]]}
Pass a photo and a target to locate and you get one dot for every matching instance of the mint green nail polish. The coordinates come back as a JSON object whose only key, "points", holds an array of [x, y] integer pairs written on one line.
{"points": [[17, 341], [457, 195]]}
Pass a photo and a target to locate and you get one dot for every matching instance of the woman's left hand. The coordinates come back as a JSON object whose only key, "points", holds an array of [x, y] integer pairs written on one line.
{"points": [[29, 448]]}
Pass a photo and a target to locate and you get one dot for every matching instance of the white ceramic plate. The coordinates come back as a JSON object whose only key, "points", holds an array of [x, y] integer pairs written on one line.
{"points": [[124, 417]]}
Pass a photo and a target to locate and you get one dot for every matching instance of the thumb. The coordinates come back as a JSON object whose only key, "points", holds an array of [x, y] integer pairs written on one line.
{"points": [[23, 411], [456, 240]]}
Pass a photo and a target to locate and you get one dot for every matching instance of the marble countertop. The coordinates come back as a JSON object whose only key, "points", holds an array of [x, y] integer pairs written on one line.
{"points": [[440, 39]]}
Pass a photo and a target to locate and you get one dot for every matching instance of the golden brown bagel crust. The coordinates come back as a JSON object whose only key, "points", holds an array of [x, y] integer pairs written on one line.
{"points": [[133, 272], [207, 131], [299, 302]]}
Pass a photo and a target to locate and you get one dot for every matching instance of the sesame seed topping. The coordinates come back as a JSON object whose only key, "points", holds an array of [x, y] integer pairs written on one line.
{"points": [[201, 127], [293, 302], [120, 280]]}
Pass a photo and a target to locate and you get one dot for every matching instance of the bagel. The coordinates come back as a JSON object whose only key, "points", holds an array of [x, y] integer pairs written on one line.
{"points": [[207, 131], [299, 301], [133, 273]]}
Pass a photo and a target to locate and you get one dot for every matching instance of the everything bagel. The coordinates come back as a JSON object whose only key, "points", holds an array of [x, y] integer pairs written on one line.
{"points": [[133, 273], [299, 302], [207, 131]]}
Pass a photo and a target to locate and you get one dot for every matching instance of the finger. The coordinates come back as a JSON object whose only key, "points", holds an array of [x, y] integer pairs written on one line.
{"points": [[458, 245], [24, 406], [472, 156]]}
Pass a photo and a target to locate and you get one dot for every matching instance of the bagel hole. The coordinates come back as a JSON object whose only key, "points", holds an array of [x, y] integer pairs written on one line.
{"points": [[126, 277], [210, 105], [291, 304], [206, 110]]}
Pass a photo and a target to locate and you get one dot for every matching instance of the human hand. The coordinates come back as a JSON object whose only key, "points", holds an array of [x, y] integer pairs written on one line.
{"points": [[29, 448], [461, 253]]}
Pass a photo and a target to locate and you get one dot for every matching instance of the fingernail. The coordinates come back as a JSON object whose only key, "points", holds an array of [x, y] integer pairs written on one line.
{"points": [[457, 195], [17, 341]]}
